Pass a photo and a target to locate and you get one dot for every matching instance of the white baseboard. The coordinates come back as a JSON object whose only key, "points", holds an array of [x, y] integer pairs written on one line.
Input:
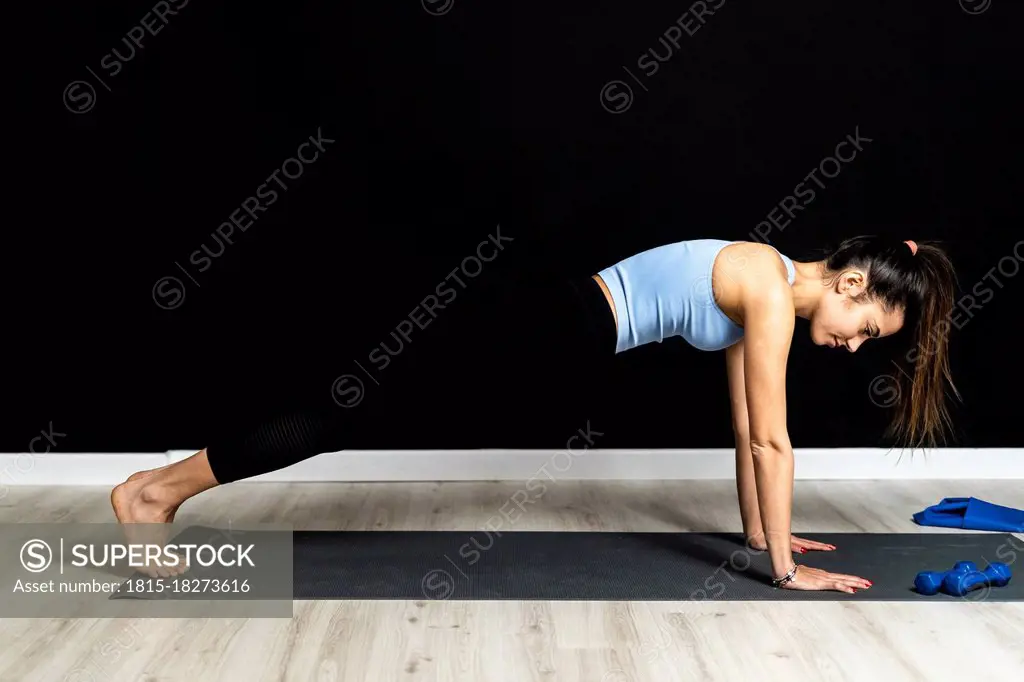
{"points": [[56, 468]]}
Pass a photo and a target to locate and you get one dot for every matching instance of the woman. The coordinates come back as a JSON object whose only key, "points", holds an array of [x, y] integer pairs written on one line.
{"points": [[742, 297]]}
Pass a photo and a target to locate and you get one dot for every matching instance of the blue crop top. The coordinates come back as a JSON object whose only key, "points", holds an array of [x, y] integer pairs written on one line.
{"points": [[666, 291]]}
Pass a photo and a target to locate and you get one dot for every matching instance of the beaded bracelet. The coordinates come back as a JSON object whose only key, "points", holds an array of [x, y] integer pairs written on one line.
{"points": [[779, 582]]}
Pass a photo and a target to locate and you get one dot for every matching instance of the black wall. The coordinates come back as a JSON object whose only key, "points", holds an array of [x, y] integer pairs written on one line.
{"points": [[444, 127]]}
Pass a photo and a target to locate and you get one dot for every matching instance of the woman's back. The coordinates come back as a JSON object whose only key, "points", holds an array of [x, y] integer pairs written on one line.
{"points": [[667, 291]]}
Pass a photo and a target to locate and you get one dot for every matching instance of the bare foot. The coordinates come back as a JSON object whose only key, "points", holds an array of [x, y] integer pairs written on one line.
{"points": [[146, 512]]}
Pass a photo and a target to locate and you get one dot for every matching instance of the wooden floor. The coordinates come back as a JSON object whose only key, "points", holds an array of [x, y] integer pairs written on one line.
{"points": [[416, 641]]}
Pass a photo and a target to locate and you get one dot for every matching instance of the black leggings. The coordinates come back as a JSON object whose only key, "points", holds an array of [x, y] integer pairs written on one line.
{"points": [[555, 338]]}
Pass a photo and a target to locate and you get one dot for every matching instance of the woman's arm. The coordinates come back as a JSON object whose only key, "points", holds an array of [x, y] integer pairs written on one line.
{"points": [[746, 487], [768, 316]]}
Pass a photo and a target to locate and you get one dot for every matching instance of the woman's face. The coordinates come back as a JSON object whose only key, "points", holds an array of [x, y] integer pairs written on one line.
{"points": [[841, 322]]}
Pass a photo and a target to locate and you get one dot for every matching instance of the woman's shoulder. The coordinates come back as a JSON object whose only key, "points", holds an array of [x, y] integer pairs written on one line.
{"points": [[752, 261], [748, 273]]}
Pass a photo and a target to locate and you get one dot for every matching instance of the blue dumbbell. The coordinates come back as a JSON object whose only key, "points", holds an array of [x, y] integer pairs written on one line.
{"points": [[959, 584], [930, 582]]}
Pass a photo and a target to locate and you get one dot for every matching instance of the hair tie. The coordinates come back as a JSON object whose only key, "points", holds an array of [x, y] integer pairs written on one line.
{"points": [[913, 246]]}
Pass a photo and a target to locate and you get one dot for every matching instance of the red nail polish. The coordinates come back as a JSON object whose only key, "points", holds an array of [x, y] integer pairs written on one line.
{"points": [[803, 551]]}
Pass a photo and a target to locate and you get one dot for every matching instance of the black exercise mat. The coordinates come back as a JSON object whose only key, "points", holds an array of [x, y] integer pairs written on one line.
{"points": [[600, 566]]}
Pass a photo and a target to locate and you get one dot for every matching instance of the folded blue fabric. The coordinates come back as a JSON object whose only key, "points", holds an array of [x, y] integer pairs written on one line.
{"points": [[970, 513]]}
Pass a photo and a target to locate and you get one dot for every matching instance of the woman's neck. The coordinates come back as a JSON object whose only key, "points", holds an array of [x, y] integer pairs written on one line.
{"points": [[807, 288]]}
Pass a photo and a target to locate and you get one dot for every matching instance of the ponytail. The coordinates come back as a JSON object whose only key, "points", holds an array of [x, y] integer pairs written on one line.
{"points": [[922, 417]]}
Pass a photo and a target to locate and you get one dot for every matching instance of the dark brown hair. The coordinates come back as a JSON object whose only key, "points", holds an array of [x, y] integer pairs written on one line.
{"points": [[923, 285]]}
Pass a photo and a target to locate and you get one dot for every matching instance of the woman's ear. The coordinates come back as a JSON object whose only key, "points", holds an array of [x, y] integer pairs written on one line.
{"points": [[852, 282]]}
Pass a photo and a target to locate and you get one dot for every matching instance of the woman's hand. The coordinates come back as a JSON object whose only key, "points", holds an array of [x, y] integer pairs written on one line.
{"points": [[801, 545], [810, 579]]}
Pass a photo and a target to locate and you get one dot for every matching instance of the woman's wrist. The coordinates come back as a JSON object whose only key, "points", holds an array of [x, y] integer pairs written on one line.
{"points": [[756, 542], [787, 577]]}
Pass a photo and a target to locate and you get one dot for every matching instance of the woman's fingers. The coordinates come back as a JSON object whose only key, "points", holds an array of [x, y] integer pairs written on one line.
{"points": [[857, 580], [848, 584], [802, 543]]}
